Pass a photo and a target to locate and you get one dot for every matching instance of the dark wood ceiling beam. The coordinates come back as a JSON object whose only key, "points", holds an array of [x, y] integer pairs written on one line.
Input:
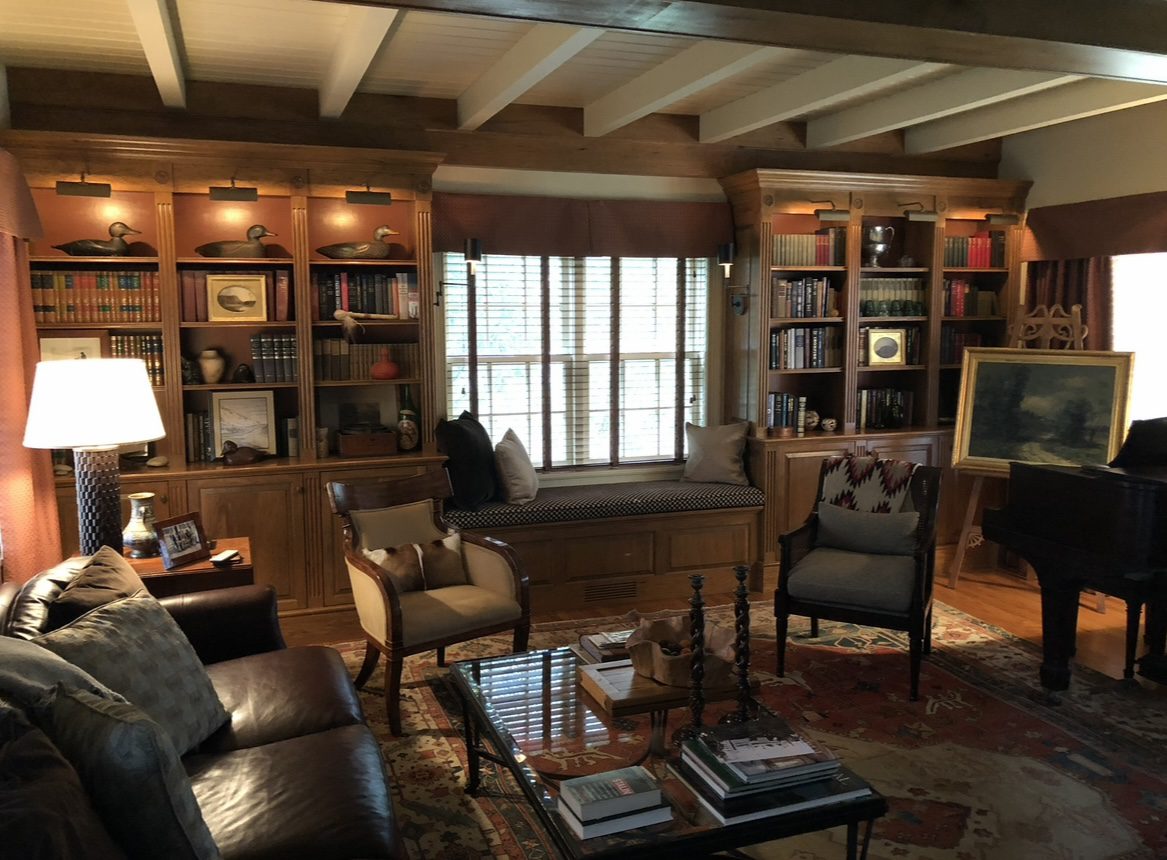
{"points": [[1122, 39]]}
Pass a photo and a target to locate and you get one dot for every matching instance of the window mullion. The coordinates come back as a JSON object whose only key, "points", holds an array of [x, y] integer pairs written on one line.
{"points": [[545, 380], [614, 367], [472, 335], [679, 366]]}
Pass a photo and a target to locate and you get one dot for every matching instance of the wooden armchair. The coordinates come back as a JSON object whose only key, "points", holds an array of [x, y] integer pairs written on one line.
{"points": [[398, 621], [852, 567]]}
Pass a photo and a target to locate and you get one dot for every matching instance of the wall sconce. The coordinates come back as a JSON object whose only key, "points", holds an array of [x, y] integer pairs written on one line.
{"points": [[234, 193], [368, 197], [832, 214], [920, 213], [725, 255], [69, 188], [1002, 219], [473, 255]]}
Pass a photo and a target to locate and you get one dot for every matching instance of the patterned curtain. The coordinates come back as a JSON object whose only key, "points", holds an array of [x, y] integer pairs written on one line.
{"points": [[28, 505], [1086, 282]]}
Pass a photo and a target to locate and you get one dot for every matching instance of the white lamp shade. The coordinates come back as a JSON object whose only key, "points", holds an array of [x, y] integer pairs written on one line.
{"points": [[92, 403]]}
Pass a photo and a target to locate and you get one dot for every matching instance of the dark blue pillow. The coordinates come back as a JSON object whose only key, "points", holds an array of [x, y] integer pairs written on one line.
{"points": [[470, 461]]}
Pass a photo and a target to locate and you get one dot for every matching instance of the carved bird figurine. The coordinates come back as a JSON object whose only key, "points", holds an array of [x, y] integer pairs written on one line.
{"points": [[115, 246], [378, 249], [249, 247]]}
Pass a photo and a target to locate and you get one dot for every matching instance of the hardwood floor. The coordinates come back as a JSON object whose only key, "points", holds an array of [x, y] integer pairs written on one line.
{"points": [[996, 596]]}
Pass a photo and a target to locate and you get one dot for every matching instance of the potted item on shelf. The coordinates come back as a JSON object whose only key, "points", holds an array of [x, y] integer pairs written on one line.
{"points": [[408, 423], [212, 363], [114, 246], [139, 538], [249, 247], [243, 374], [384, 367], [378, 249]]}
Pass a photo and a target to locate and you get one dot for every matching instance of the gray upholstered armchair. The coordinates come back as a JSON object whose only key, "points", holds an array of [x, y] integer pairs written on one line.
{"points": [[402, 614]]}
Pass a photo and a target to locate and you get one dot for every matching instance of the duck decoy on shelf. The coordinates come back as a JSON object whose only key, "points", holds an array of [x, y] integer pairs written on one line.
{"points": [[378, 249], [115, 246], [249, 247]]}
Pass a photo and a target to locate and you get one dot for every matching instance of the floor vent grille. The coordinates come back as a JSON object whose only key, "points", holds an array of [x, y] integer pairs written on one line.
{"points": [[604, 591]]}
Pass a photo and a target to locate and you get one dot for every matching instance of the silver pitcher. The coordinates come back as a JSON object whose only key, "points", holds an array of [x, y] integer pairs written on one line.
{"points": [[876, 242]]}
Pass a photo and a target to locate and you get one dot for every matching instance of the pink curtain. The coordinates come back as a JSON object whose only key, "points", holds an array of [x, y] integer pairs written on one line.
{"points": [[28, 505]]}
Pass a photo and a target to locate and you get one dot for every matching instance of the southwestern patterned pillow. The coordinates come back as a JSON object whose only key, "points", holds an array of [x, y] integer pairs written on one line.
{"points": [[867, 483]]}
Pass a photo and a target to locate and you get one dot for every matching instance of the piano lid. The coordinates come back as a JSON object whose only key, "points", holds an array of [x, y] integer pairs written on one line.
{"points": [[1145, 445]]}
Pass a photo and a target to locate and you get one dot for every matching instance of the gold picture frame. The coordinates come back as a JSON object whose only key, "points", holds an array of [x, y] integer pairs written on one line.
{"points": [[246, 418], [237, 298], [885, 346], [1051, 406]]}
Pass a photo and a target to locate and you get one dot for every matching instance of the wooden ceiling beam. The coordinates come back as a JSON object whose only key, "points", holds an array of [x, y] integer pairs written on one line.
{"points": [[364, 31], [1124, 40], [542, 50], [696, 68], [156, 33], [1073, 101]]}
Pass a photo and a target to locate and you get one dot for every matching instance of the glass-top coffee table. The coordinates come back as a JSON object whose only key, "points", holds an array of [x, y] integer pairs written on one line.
{"points": [[528, 713]]}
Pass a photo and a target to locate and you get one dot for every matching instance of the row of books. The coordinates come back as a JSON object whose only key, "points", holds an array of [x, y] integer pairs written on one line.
{"points": [[200, 437], [804, 347], [953, 343], [335, 359], [786, 410], [892, 297], [826, 247], [390, 294], [983, 251], [964, 299], [277, 285], [883, 409], [808, 297], [95, 296], [762, 769], [911, 348], [273, 358], [600, 804], [147, 347]]}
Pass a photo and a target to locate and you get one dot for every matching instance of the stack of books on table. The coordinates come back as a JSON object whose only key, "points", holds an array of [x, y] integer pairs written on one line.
{"points": [[603, 803], [603, 647], [763, 768]]}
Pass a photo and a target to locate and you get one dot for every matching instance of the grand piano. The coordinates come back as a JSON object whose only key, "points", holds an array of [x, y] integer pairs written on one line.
{"points": [[1099, 527]]}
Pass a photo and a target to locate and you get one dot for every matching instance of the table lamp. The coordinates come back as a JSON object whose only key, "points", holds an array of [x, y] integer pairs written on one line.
{"points": [[93, 406]]}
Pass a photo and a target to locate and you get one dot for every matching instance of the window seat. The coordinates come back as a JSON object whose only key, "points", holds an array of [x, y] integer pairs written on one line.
{"points": [[619, 542]]}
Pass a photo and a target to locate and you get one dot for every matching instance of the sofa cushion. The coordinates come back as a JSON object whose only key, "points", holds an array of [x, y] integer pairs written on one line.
{"points": [[470, 460], [517, 479], [427, 616], [132, 773], [843, 578], [45, 813], [29, 614], [281, 694], [136, 649], [715, 453], [106, 576], [321, 796], [863, 531], [28, 672], [402, 564]]}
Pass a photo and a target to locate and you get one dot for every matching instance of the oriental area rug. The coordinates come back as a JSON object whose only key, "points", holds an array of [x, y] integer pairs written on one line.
{"points": [[982, 767]]}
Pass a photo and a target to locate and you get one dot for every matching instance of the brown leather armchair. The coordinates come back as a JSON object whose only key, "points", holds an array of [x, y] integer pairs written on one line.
{"points": [[381, 514]]}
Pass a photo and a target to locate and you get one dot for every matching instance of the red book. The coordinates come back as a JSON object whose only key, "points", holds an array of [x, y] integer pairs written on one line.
{"points": [[344, 291]]}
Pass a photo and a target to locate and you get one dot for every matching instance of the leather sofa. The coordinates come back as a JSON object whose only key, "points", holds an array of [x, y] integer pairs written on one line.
{"points": [[295, 772]]}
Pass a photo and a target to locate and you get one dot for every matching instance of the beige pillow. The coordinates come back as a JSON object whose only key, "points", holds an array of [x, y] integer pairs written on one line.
{"points": [[517, 477], [402, 563], [715, 454], [441, 562]]}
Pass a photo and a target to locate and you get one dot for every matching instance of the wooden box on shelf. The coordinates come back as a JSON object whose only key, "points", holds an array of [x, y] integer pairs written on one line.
{"points": [[366, 443]]}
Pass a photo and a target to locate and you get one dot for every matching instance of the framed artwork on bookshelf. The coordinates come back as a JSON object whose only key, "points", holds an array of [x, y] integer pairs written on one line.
{"points": [[885, 346], [246, 418], [76, 344], [233, 298], [1062, 407], [181, 539]]}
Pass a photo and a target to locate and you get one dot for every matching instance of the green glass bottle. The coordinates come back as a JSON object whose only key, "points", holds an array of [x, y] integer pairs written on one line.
{"points": [[408, 423]]}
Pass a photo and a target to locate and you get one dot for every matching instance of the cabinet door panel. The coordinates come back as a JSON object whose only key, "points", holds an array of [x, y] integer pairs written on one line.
{"points": [[67, 509], [922, 449], [270, 510]]}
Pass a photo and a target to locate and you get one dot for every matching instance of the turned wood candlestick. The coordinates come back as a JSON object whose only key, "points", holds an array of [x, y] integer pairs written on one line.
{"points": [[746, 707], [697, 665]]}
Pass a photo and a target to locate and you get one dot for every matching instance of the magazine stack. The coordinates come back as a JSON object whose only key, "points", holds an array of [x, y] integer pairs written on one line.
{"points": [[603, 803]]}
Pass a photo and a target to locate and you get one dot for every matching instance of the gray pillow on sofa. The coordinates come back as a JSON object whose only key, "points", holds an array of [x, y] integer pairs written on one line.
{"points": [[135, 648], [864, 531], [29, 671]]}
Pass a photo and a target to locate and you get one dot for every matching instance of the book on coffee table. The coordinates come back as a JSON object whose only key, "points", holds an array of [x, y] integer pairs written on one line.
{"points": [[838, 788], [602, 647], [614, 823], [609, 793]]}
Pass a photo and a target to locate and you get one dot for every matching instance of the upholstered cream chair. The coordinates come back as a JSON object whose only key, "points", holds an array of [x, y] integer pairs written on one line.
{"points": [[381, 514]]}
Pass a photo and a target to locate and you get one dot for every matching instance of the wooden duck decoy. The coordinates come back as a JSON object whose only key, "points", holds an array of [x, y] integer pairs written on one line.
{"points": [[378, 249], [249, 247], [115, 246]]}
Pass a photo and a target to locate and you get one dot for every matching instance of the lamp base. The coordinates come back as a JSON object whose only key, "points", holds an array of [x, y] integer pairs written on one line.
{"points": [[98, 498]]}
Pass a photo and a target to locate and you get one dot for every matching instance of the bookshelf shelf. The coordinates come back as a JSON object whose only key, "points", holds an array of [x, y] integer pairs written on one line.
{"points": [[781, 321], [256, 324], [110, 262], [890, 368], [384, 323], [235, 262], [356, 383], [358, 264], [105, 326], [239, 386], [807, 269]]}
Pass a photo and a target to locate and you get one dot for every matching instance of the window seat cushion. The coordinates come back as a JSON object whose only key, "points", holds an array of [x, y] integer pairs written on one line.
{"points": [[600, 501]]}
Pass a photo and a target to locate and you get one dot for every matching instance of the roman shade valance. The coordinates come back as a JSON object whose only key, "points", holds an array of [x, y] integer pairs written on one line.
{"points": [[1135, 224]]}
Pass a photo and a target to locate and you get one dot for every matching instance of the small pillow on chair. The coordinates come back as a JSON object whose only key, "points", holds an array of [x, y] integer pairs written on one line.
{"points": [[715, 454], [441, 562], [401, 563], [862, 531]]}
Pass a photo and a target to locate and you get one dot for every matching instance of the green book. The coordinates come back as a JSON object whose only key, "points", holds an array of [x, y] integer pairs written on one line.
{"points": [[613, 792]]}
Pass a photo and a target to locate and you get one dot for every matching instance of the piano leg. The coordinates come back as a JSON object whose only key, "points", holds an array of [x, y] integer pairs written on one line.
{"points": [[1059, 627]]}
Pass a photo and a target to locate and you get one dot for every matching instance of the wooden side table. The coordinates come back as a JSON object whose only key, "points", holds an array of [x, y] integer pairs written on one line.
{"points": [[198, 575]]}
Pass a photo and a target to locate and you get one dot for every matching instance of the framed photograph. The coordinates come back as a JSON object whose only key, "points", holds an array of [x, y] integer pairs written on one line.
{"points": [[1056, 406], [77, 344], [885, 346], [181, 540], [247, 418], [232, 298]]}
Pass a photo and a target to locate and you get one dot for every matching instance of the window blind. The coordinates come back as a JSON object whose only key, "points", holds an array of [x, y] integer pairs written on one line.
{"points": [[591, 360]]}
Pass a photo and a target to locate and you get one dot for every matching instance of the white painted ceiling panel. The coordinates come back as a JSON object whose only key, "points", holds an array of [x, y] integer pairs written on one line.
{"points": [[791, 64], [96, 35], [277, 42]]}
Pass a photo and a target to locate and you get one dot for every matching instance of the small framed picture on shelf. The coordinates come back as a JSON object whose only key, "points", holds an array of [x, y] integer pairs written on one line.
{"points": [[235, 298], [82, 343], [885, 346], [181, 540], [246, 418]]}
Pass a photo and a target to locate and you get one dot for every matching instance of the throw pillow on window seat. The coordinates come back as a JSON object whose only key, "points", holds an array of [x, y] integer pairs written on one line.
{"points": [[518, 481], [715, 454], [470, 461]]}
